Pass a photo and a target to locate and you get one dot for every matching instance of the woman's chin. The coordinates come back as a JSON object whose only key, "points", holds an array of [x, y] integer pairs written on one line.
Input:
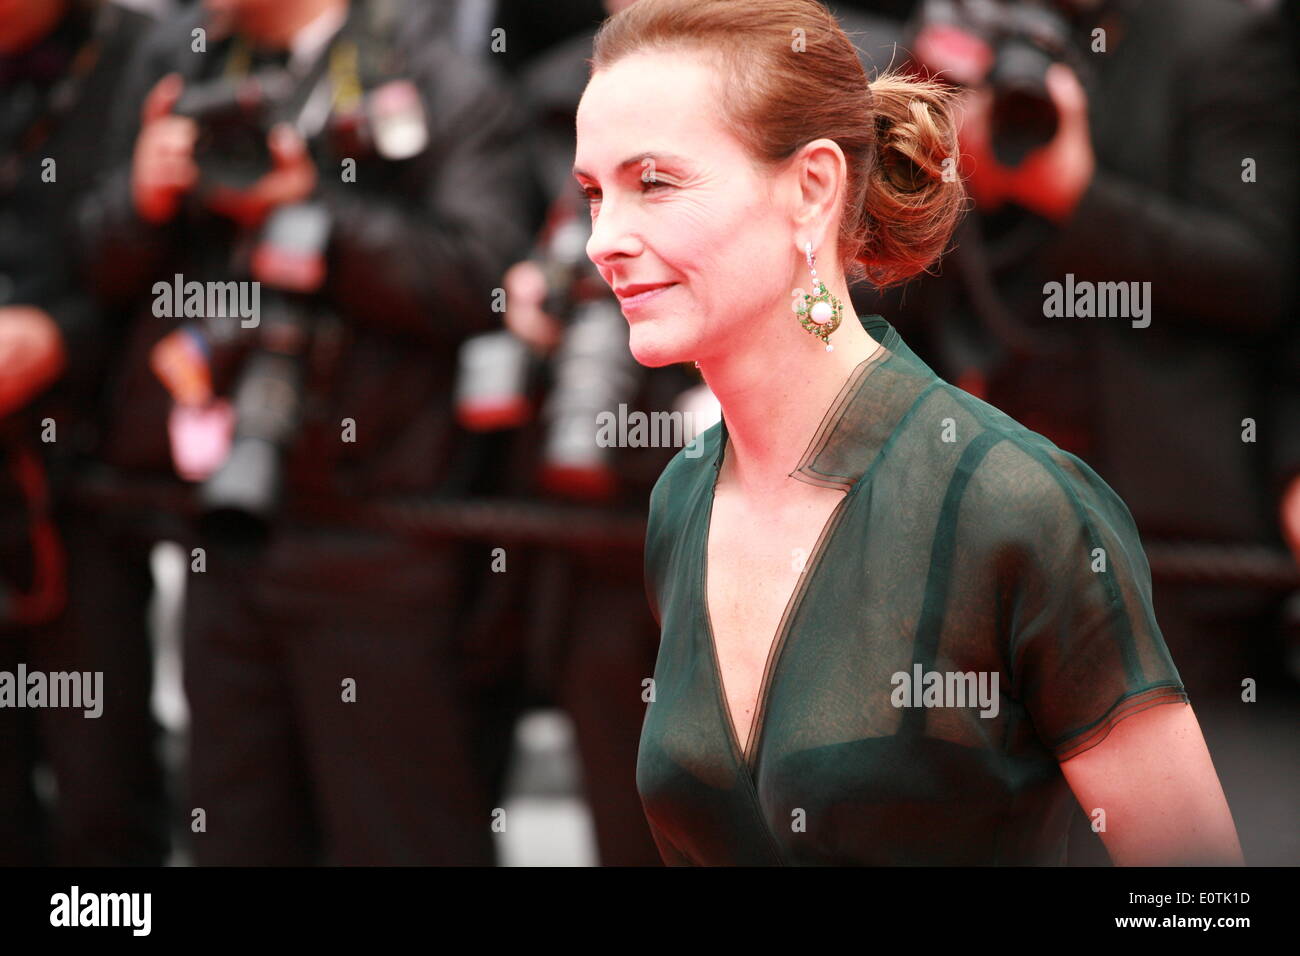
{"points": [[652, 351]]}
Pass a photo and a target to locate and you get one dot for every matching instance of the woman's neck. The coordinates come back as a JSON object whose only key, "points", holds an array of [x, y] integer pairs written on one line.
{"points": [[775, 392]]}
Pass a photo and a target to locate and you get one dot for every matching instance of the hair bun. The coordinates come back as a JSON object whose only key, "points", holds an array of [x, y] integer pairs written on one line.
{"points": [[914, 196]]}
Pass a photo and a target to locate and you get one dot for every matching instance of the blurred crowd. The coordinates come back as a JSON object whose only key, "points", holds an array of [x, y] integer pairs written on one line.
{"points": [[301, 286]]}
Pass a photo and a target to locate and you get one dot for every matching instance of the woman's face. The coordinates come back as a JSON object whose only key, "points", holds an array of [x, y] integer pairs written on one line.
{"points": [[676, 200]]}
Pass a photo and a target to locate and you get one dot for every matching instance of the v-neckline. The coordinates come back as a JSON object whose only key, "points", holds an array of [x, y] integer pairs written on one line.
{"points": [[745, 752]]}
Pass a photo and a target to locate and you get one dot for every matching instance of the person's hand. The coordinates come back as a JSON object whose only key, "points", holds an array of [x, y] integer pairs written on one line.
{"points": [[1290, 514], [179, 362], [31, 354], [1053, 177], [163, 167], [292, 179], [525, 286]]}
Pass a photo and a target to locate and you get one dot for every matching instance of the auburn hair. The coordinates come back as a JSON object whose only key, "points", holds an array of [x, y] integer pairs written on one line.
{"points": [[787, 75]]}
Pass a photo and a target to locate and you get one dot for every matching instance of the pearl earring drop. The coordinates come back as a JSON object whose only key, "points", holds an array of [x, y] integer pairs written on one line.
{"points": [[820, 313]]}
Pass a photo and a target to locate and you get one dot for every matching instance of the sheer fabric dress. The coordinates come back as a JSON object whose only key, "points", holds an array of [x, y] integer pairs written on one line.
{"points": [[965, 544]]}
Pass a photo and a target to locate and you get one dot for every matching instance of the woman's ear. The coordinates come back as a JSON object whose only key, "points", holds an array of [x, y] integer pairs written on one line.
{"points": [[819, 174]]}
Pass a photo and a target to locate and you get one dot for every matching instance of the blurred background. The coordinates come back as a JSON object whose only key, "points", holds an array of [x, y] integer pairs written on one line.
{"points": [[363, 580]]}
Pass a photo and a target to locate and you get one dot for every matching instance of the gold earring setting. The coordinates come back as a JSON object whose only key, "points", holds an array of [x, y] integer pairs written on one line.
{"points": [[820, 313]]}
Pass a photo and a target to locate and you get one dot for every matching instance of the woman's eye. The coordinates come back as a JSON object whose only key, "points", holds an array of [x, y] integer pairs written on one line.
{"points": [[591, 194]]}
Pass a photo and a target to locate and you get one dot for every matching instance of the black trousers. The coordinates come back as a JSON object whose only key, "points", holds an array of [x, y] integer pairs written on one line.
{"points": [[326, 718], [110, 806]]}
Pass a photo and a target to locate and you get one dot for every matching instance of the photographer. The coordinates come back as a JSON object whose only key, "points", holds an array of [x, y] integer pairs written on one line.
{"points": [[567, 626], [1159, 151], [340, 166], [59, 63], [1168, 162]]}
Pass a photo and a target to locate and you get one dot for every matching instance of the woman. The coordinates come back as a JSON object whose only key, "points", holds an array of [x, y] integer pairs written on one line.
{"points": [[896, 625]]}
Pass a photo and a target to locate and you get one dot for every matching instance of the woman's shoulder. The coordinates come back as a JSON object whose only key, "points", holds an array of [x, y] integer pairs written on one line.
{"points": [[672, 502], [694, 462], [1023, 483], [686, 475]]}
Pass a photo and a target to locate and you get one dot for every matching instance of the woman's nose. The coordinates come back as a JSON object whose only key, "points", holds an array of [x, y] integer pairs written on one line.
{"points": [[612, 236]]}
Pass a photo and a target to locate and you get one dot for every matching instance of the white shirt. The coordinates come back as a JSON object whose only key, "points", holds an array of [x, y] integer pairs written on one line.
{"points": [[313, 37], [308, 44]]}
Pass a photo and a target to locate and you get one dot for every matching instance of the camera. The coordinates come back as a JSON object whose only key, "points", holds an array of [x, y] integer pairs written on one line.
{"points": [[234, 117], [239, 500], [591, 370], [1006, 45]]}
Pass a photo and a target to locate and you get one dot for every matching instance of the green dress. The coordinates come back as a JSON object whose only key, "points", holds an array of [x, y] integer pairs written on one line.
{"points": [[969, 554]]}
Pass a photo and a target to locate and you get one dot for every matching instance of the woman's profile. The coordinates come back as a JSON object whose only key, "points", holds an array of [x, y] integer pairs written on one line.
{"points": [[897, 626]]}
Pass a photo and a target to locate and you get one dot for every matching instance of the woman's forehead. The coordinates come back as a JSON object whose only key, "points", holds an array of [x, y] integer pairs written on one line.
{"points": [[652, 103], [650, 72]]}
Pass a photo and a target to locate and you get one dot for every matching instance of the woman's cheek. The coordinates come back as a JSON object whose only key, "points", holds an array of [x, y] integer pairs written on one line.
{"points": [[692, 225]]}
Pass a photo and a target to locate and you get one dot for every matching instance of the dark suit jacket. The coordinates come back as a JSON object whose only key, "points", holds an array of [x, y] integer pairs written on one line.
{"points": [[416, 248], [1185, 92]]}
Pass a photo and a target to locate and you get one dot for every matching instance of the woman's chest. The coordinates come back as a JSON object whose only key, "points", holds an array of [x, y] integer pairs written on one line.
{"points": [[758, 557], [802, 626]]}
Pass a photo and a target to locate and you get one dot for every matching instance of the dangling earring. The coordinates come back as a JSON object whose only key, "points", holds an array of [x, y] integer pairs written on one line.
{"points": [[819, 312]]}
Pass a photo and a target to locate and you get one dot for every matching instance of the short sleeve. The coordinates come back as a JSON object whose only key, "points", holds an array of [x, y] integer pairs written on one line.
{"points": [[1084, 648]]}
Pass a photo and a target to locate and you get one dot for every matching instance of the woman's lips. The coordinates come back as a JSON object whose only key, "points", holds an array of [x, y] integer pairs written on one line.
{"points": [[635, 301]]}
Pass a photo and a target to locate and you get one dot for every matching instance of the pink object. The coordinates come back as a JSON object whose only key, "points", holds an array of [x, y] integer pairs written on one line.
{"points": [[200, 437]]}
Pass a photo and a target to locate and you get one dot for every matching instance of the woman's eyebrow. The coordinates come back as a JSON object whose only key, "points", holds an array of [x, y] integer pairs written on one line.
{"points": [[637, 160]]}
